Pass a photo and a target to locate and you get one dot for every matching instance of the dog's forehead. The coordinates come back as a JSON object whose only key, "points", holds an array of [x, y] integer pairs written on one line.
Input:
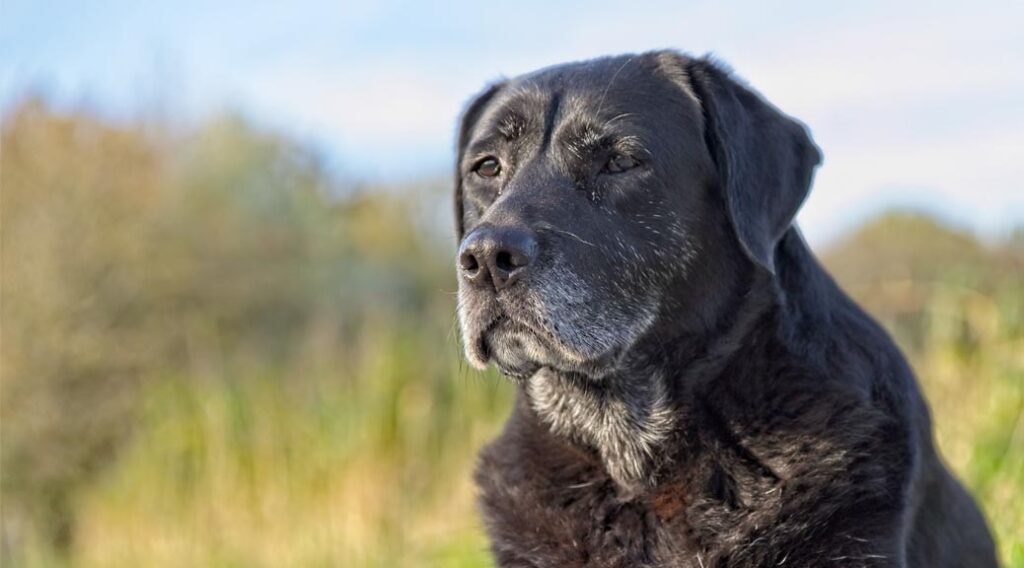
{"points": [[599, 88], [595, 77], [628, 94]]}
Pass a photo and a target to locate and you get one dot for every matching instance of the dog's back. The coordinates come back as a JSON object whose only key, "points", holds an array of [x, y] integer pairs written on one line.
{"points": [[944, 528]]}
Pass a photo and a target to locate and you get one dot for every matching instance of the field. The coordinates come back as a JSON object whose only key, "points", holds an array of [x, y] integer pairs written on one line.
{"points": [[216, 353]]}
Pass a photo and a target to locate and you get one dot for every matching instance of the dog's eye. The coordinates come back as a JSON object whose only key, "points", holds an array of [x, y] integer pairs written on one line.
{"points": [[620, 163], [488, 167]]}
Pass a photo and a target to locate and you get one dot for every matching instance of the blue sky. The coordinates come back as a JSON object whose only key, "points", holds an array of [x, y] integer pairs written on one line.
{"points": [[914, 104]]}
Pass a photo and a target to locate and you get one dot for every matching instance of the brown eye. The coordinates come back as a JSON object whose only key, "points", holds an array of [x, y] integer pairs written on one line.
{"points": [[488, 167], [620, 163]]}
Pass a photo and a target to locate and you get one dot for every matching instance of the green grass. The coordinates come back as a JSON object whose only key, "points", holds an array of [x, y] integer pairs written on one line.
{"points": [[366, 467]]}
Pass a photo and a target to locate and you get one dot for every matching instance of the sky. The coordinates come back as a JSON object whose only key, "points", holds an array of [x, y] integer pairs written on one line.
{"points": [[915, 104]]}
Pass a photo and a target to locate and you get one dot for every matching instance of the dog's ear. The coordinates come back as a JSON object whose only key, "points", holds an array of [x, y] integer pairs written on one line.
{"points": [[469, 118], [765, 159]]}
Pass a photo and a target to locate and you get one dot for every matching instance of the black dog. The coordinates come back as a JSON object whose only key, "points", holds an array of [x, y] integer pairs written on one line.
{"points": [[694, 389]]}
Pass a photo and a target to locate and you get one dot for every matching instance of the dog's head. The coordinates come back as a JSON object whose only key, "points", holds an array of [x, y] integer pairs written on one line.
{"points": [[596, 200]]}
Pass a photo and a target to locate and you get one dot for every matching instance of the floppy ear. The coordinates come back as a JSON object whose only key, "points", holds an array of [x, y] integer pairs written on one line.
{"points": [[469, 118], [765, 159]]}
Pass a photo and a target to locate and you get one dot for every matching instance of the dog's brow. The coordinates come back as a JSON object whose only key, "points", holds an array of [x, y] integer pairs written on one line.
{"points": [[512, 125], [582, 139], [486, 141]]}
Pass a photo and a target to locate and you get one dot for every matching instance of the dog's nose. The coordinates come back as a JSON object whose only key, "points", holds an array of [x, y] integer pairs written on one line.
{"points": [[496, 256]]}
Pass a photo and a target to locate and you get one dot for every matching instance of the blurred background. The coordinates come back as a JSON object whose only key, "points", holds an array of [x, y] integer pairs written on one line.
{"points": [[227, 308]]}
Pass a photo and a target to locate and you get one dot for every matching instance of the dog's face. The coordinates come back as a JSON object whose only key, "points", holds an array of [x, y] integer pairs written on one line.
{"points": [[586, 197]]}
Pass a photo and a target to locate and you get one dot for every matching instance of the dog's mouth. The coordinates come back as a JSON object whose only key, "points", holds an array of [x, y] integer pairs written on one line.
{"points": [[519, 348], [511, 345], [557, 324]]}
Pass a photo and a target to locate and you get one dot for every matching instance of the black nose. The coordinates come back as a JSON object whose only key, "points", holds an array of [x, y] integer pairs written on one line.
{"points": [[496, 256]]}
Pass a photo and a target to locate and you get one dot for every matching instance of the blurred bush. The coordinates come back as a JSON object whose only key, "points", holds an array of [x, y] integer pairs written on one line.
{"points": [[216, 353]]}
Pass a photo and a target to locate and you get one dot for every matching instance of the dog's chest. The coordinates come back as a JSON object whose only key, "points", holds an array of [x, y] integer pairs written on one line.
{"points": [[570, 515], [742, 479]]}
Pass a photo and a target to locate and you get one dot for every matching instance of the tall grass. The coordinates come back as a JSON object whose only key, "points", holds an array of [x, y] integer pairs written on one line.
{"points": [[363, 463], [216, 354]]}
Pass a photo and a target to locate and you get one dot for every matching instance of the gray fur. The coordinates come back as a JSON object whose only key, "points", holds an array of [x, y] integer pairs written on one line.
{"points": [[625, 421]]}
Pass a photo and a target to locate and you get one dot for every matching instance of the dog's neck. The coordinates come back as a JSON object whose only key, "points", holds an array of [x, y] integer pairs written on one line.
{"points": [[625, 421], [628, 416]]}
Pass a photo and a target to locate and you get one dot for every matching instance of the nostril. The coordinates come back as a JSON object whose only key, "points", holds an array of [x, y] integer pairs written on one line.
{"points": [[510, 261], [469, 263], [504, 261]]}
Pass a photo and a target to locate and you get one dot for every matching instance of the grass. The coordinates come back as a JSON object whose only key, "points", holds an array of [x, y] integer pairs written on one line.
{"points": [[368, 467], [371, 466]]}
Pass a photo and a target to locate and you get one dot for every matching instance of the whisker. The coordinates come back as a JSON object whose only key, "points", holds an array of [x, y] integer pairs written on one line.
{"points": [[552, 228], [607, 87]]}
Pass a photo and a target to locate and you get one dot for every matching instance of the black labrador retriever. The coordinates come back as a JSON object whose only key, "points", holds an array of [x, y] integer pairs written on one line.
{"points": [[694, 389]]}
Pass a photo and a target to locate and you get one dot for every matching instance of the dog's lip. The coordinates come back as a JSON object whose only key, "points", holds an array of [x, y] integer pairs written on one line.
{"points": [[517, 371], [520, 373], [519, 323], [483, 349], [595, 368]]}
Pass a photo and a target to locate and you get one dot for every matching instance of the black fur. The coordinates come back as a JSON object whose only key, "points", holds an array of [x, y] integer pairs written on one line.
{"points": [[702, 394]]}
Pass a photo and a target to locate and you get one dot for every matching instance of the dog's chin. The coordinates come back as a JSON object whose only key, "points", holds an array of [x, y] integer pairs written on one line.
{"points": [[518, 352]]}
